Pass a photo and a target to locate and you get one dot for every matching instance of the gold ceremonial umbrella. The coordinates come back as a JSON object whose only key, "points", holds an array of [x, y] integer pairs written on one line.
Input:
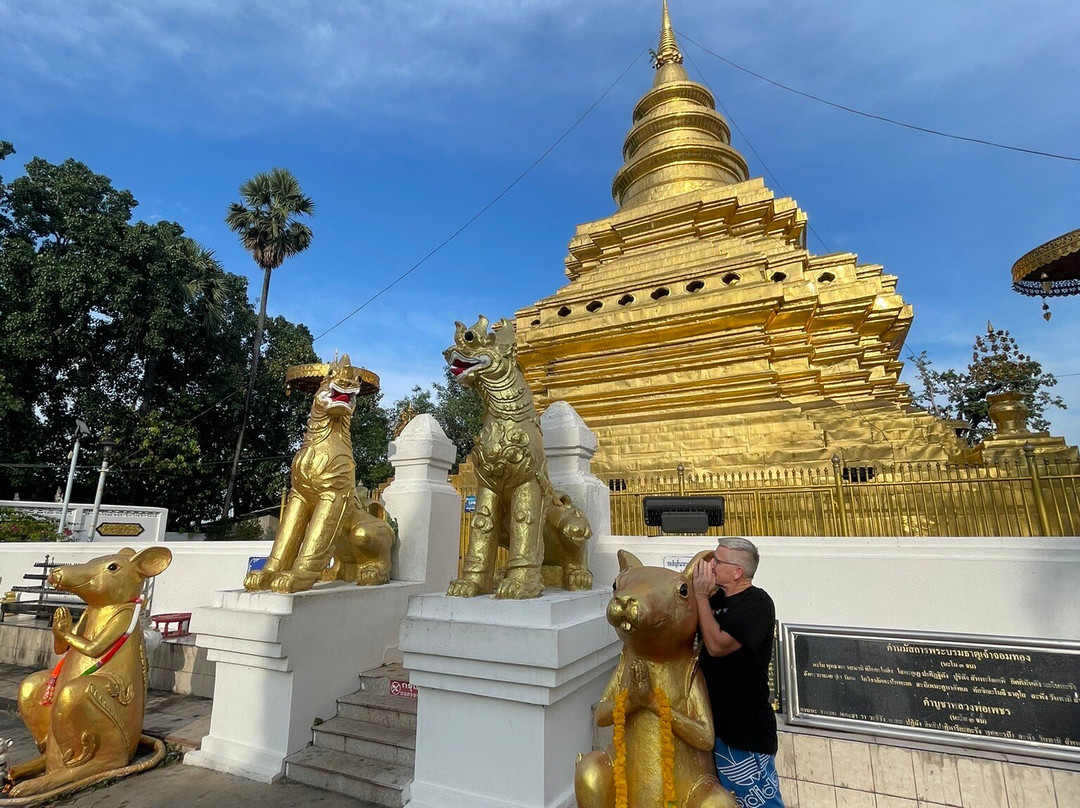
{"points": [[1050, 270], [307, 378]]}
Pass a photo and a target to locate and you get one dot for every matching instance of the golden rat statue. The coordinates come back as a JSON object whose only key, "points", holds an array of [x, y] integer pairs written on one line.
{"points": [[516, 506], [86, 714], [325, 517], [656, 700]]}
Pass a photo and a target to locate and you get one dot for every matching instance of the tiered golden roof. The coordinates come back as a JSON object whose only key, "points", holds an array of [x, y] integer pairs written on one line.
{"points": [[679, 142], [697, 327]]}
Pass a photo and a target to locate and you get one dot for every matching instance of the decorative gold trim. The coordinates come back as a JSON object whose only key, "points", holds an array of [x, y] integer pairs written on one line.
{"points": [[307, 378], [668, 52], [674, 91], [707, 122], [1046, 254]]}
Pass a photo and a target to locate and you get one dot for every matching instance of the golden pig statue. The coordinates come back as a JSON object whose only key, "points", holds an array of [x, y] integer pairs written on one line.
{"points": [[656, 701], [86, 714], [516, 506], [325, 518]]}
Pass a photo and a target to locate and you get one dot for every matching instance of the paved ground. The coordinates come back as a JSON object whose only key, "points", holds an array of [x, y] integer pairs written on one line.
{"points": [[178, 719]]}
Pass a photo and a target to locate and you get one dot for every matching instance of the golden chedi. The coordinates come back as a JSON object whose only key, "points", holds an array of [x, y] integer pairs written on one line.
{"points": [[698, 328]]}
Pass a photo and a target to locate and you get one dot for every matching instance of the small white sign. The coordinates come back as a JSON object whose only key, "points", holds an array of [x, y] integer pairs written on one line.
{"points": [[677, 562]]}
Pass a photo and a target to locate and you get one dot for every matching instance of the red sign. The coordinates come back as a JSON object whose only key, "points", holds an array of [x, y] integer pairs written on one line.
{"points": [[403, 689]]}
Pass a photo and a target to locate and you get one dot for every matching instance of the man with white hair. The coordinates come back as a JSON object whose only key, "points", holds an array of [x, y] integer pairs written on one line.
{"points": [[736, 622]]}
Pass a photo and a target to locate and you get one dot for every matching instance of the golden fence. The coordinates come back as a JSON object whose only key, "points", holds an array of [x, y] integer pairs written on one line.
{"points": [[1032, 496]]}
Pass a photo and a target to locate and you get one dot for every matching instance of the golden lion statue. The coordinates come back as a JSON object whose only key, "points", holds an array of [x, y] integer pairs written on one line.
{"points": [[656, 700], [516, 506], [325, 518]]}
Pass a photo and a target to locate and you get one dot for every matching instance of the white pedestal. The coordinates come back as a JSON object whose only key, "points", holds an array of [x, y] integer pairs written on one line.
{"points": [[282, 661], [569, 445], [506, 691]]}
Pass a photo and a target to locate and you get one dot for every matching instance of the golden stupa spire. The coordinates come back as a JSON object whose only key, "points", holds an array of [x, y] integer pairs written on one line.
{"points": [[668, 52], [678, 143]]}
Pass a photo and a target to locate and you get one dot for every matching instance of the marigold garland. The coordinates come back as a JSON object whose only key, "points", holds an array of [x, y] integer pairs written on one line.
{"points": [[667, 748], [619, 714]]}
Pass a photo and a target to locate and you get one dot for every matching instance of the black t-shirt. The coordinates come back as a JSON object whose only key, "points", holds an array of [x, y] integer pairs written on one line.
{"points": [[738, 683]]}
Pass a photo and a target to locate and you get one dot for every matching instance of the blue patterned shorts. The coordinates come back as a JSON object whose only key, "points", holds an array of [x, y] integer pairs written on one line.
{"points": [[750, 775]]}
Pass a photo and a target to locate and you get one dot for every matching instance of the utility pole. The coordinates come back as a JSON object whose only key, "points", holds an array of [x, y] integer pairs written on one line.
{"points": [[107, 444], [80, 429]]}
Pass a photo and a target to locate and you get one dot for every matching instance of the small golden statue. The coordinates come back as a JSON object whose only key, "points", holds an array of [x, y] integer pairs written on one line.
{"points": [[86, 714], [656, 701], [326, 519], [516, 506]]}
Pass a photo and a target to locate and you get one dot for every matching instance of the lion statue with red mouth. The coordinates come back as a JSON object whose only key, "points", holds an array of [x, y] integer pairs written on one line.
{"points": [[328, 530], [516, 506]]}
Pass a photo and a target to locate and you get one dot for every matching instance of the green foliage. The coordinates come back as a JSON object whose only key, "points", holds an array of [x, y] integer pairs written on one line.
{"points": [[16, 525], [371, 433], [266, 221], [997, 366], [459, 411], [235, 530], [138, 329], [266, 218]]}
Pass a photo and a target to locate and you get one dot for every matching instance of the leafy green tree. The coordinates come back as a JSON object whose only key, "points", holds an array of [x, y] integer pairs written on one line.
{"points": [[21, 526], [371, 435], [266, 221], [136, 328], [458, 409], [277, 419], [997, 366], [62, 233]]}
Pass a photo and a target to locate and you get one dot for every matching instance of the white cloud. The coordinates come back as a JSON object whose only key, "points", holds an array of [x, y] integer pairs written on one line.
{"points": [[234, 60]]}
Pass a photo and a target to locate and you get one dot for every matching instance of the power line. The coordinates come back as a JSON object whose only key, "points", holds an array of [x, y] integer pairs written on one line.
{"points": [[116, 468], [760, 159], [438, 247], [882, 118], [486, 207]]}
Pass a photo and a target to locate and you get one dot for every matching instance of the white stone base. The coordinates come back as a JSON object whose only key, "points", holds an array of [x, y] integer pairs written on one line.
{"points": [[282, 661], [506, 693]]}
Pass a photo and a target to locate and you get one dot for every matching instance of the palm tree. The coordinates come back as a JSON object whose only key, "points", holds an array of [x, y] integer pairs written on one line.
{"points": [[268, 228]]}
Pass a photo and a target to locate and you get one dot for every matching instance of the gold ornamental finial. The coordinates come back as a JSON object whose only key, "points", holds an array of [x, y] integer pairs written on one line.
{"points": [[668, 52], [678, 143]]}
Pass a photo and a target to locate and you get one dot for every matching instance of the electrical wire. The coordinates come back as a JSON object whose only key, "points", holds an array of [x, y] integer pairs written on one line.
{"points": [[882, 118], [439, 246], [486, 207], [760, 159]]}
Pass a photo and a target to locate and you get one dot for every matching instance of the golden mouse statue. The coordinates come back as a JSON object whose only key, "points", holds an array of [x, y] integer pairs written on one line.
{"points": [[656, 700], [86, 714], [325, 518], [516, 506]]}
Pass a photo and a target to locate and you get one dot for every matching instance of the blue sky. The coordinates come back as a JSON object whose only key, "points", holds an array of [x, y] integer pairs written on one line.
{"points": [[404, 119]]}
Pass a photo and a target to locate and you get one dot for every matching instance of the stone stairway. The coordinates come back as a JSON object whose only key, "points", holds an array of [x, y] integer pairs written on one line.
{"points": [[367, 750]]}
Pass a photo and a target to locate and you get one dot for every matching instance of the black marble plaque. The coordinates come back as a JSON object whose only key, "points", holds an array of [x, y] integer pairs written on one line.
{"points": [[980, 691]]}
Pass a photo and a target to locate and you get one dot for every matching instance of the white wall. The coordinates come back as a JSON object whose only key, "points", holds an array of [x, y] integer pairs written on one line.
{"points": [[150, 520], [1026, 587], [198, 569], [1023, 587]]}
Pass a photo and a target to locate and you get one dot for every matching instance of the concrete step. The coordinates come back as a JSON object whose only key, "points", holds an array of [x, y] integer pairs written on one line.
{"points": [[388, 680], [372, 781], [387, 711], [374, 741]]}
